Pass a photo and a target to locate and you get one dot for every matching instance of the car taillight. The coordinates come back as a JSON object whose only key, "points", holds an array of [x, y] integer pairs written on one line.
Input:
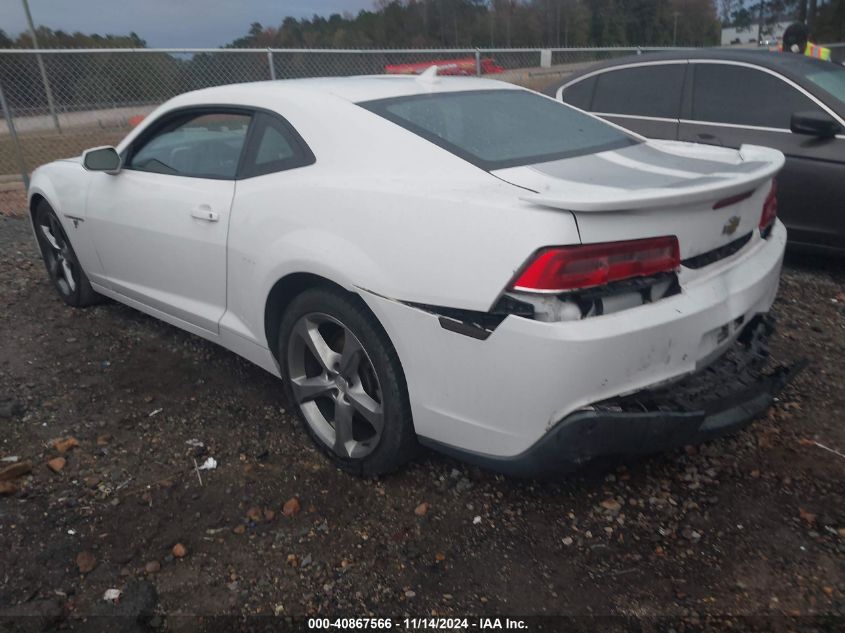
{"points": [[562, 268], [770, 209], [733, 200]]}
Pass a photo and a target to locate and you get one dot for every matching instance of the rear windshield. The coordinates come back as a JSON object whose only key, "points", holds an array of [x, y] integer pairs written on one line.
{"points": [[494, 129]]}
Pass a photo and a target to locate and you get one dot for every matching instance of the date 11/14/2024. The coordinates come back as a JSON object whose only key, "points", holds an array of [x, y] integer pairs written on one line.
{"points": [[417, 624]]}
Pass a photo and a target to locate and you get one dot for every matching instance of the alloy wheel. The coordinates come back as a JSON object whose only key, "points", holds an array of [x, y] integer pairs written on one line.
{"points": [[335, 385], [61, 262]]}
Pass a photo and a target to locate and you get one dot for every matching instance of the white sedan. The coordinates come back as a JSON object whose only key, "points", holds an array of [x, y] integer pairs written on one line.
{"points": [[452, 262]]}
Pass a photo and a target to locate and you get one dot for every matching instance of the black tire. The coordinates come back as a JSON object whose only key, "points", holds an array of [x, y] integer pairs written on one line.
{"points": [[398, 442], [77, 293]]}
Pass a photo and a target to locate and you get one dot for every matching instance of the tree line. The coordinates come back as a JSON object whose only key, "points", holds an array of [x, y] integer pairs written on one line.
{"points": [[48, 38], [503, 24], [825, 19], [547, 23], [498, 24], [84, 80], [457, 23]]}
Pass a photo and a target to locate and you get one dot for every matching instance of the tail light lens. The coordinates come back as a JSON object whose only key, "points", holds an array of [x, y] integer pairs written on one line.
{"points": [[563, 268], [770, 209], [733, 200]]}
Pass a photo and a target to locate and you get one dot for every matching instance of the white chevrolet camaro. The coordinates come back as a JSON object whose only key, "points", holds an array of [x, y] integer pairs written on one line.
{"points": [[453, 262]]}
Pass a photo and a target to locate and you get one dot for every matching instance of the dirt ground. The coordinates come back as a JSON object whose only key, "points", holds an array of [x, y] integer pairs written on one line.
{"points": [[12, 199], [745, 532]]}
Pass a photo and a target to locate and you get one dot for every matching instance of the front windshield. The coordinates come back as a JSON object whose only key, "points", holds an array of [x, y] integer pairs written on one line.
{"points": [[494, 129], [832, 80]]}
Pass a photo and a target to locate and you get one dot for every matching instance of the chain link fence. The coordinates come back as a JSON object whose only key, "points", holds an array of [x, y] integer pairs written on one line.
{"points": [[56, 103]]}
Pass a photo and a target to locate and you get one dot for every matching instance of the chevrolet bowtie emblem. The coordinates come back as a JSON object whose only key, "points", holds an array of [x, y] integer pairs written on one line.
{"points": [[730, 226]]}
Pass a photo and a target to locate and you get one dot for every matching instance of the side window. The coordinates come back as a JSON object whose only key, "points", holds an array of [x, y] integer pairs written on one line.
{"points": [[653, 90], [723, 93], [204, 145], [274, 146], [580, 94]]}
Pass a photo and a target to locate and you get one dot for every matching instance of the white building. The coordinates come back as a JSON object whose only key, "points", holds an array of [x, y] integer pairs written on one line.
{"points": [[732, 36]]}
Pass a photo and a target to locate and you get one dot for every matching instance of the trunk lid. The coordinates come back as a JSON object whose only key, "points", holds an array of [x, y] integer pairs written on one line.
{"points": [[656, 188]]}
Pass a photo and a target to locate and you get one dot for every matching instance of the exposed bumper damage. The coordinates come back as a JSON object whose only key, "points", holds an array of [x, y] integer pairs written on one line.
{"points": [[498, 394], [717, 400]]}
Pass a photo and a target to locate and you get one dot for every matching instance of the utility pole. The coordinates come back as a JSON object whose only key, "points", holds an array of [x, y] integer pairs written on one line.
{"points": [[47, 91], [442, 21], [508, 17], [760, 24], [10, 124], [675, 31], [802, 11], [557, 23], [492, 22]]}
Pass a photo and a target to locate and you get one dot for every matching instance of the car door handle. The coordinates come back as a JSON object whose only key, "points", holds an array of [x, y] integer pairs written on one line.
{"points": [[204, 213]]}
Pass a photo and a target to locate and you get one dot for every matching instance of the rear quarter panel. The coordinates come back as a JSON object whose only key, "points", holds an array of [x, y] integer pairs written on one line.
{"points": [[442, 243], [381, 209]]}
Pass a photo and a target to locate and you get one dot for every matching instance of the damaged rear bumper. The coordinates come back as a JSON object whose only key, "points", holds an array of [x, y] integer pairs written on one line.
{"points": [[717, 400]]}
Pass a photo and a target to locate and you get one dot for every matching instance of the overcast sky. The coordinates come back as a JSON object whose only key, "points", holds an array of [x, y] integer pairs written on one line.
{"points": [[167, 23]]}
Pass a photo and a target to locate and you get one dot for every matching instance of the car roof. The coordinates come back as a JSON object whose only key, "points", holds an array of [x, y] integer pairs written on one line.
{"points": [[789, 64], [353, 89], [322, 110], [792, 66]]}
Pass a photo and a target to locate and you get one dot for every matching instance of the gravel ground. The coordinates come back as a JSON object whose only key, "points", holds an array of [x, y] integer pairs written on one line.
{"points": [[12, 199], [752, 525]]}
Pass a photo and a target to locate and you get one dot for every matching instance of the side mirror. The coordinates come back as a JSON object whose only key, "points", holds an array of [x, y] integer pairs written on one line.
{"points": [[101, 159], [814, 123]]}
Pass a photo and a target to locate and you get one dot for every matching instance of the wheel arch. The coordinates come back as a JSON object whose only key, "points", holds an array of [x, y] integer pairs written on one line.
{"points": [[285, 290], [36, 197], [39, 194], [49, 184], [34, 201]]}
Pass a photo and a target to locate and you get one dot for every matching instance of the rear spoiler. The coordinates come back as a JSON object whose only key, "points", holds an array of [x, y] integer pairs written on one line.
{"points": [[755, 166]]}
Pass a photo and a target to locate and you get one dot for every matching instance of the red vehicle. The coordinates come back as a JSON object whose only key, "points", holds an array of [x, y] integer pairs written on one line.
{"points": [[465, 66]]}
